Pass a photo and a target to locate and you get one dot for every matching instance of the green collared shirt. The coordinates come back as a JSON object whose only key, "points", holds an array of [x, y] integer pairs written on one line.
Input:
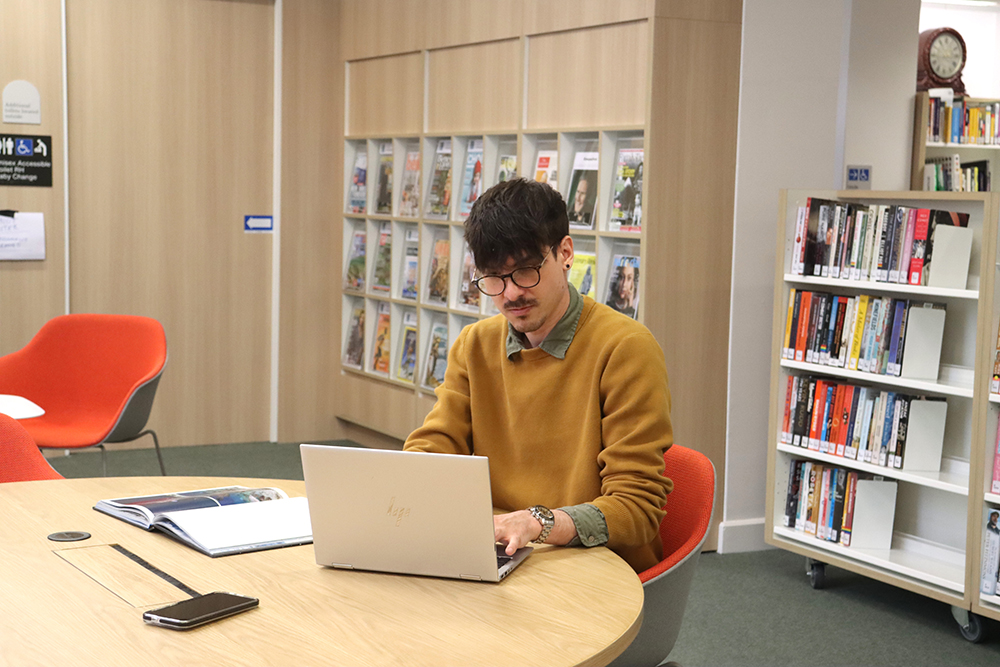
{"points": [[591, 526]]}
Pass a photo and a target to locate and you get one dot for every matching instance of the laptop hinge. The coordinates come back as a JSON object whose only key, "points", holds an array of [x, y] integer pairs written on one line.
{"points": [[342, 566], [473, 577]]}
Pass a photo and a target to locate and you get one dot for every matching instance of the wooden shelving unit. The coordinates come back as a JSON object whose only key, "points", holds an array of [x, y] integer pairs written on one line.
{"points": [[924, 147], [936, 540]]}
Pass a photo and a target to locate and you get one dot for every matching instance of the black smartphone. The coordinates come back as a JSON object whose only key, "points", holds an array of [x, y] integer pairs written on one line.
{"points": [[199, 610]]}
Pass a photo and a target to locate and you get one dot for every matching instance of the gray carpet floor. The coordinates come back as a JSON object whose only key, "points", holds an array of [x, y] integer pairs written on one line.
{"points": [[745, 609]]}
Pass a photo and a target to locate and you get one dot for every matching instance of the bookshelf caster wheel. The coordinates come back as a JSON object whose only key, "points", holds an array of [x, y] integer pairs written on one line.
{"points": [[969, 624], [816, 572]]}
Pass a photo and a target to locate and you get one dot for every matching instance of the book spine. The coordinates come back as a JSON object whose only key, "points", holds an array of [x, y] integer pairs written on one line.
{"points": [[848, 522], [882, 243], [801, 428], [833, 251], [824, 504], [815, 471], [859, 325], [857, 422], [850, 311], [857, 246], [896, 221], [871, 319], [826, 423], [788, 349], [887, 428], [899, 306], [787, 419], [818, 402], [991, 555], [839, 492], [866, 424], [815, 315], [792, 497], [800, 341], [904, 422], [837, 337], [848, 408], [798, 246]]}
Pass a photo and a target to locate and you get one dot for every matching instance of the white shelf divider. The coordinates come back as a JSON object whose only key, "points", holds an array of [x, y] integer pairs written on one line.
{"points": [[885, 288]]}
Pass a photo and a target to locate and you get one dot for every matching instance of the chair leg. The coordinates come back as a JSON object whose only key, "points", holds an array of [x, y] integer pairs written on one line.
{"points": [[104, 461], [156, 444]]}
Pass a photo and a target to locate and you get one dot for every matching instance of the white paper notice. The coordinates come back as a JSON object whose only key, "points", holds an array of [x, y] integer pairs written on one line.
{"points": [[22, 237]]}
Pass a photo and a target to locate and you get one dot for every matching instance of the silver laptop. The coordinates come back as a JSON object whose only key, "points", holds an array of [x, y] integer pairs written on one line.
{"points": [[404, 512]]}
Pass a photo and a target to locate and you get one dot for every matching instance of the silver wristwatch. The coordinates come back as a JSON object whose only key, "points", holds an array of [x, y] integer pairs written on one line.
{"points": [[545, 517]]}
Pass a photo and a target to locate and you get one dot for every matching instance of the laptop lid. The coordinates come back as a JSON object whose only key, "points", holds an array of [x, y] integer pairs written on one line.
{"points": [[402, 512]]}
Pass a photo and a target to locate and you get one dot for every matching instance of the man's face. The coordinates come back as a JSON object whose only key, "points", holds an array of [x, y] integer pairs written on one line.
{"points": [[626, 284], [581, 196], [538, 308]]}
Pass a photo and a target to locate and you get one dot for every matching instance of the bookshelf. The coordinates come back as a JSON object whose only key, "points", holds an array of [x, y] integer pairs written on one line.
{"points": [[929, 144], [917, 525]]}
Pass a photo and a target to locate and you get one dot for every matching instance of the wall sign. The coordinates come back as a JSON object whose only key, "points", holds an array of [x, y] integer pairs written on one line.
{"points": [[859, 177], [26, 160], [258, 224], [22, 235], [22, 103]]}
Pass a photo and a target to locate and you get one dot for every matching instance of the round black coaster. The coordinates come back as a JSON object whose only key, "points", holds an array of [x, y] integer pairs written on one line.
{"points": [[69, 536]]}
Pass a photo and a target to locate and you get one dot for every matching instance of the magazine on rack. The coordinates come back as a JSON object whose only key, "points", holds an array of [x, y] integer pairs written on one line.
{"points": [[220, 521]]}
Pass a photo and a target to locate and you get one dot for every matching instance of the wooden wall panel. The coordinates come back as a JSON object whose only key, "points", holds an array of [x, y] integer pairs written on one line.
{"points": [[386, 95], [383, 27], [171, 141], [729, 11], [475, 88], [542, 16], [312, 135], [691, 171], [589, 77], [33, 292]]}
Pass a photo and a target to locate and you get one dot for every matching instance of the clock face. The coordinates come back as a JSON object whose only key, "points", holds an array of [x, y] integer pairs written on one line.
{"points": [[946, 56]]}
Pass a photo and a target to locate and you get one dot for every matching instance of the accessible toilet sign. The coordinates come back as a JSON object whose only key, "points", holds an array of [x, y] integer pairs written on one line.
{"points": [[26, 160]]}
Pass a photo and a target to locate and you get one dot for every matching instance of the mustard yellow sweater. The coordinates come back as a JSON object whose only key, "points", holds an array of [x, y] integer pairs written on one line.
{"points": [[590, 428]]}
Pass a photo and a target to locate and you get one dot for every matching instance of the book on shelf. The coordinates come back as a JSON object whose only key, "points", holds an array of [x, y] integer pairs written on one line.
{"points": [[409, 199], [354, 350], [583, 272], [382, 271], [468, 295], [411, 261], [357, 193], [437, 270], [582, 200], [472, 179], [439, 189], [623, 285], [822, 500], [881, 243], [991, 552], [864, 424], [383, 195], [547, 168], [406, 367], [507, 169], [437, 355], [626, 194], [219, 521], [354, 275], [381, 340], [962, 120], [943, 173]]}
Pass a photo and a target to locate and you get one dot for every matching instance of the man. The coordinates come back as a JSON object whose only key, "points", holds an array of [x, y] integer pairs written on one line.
{"points": [[582, 209], [567, 398]]}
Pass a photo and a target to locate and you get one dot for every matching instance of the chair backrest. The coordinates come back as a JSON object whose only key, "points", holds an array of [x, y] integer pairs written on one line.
{"points": [[20, 459], [689, 506], [92, 364]]}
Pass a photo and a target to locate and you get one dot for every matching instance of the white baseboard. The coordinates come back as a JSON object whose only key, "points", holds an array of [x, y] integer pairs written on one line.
{"points": [[742, 535]]}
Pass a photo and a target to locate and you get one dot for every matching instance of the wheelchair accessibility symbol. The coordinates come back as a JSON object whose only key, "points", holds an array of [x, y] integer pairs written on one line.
{"points": [[24, 147]]}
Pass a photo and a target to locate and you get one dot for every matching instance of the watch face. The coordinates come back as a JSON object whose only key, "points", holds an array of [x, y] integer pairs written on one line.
{"points": [[946, 56]]}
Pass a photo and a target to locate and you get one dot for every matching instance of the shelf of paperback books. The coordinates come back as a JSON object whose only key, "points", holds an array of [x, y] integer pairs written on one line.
{"points": [[877, 382], [954, 142]]}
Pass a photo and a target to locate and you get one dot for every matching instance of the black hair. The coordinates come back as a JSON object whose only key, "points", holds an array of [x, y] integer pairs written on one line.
{"points": [[517, 219]]}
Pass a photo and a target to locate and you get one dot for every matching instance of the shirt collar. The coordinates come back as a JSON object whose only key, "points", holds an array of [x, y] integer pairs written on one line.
{"points": [[558, 340]]}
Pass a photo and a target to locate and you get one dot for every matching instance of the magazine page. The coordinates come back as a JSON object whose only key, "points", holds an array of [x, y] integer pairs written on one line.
{"points": [[244, 526], [146, 508]]}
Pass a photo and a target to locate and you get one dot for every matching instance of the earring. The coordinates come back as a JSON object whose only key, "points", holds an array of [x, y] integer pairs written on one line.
{"points": [[569, 266]]}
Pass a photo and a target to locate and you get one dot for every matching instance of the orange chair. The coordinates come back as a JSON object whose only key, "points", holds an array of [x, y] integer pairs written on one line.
{"points": [[20, 459], [666, 585], [94, 375]]}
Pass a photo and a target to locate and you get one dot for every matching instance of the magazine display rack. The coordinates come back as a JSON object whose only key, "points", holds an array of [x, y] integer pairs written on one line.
{"points": [[410, 263], [921, 520]]}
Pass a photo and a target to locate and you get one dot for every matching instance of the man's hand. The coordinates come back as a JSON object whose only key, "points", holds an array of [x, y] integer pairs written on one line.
{"points": [[516, 529]]}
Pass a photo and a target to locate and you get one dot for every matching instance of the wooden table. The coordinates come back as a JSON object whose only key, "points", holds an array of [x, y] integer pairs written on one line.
{"points": [[80, 603]]}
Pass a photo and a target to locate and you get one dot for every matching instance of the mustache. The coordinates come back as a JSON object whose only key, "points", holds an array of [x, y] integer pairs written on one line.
{"points": [[519, 303]]}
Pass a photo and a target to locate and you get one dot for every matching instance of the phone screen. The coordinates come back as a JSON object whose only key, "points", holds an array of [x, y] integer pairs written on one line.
{"points": [[199, 610]]}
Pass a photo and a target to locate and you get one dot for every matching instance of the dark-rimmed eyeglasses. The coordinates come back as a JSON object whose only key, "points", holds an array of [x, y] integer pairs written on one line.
{"points": [[525, 277]]}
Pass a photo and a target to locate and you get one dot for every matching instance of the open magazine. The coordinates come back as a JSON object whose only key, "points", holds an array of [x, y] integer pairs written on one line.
{"points": [[221, 521]]}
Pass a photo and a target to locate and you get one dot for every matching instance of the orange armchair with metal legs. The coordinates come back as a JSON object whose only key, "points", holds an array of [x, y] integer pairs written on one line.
{"points": [[683, 531], [94, 375], [20, 458]]}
